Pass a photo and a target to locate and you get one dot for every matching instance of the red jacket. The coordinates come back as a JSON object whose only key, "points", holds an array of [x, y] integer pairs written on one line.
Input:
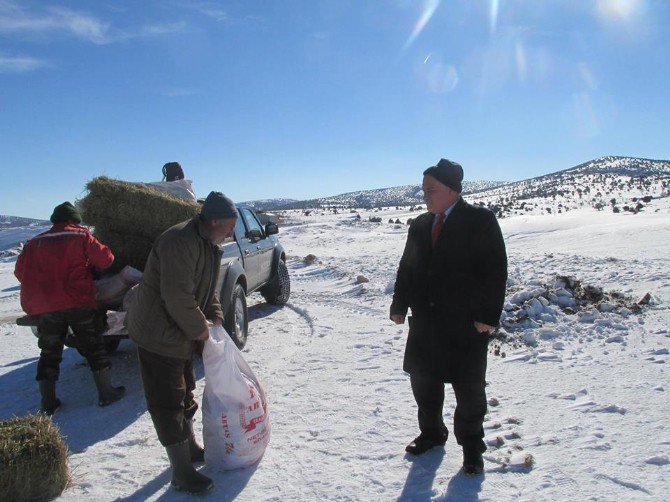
{"points": [[54, 269]]}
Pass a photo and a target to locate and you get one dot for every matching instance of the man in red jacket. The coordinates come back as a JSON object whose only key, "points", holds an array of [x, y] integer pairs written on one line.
{"points": [[54, 270]]}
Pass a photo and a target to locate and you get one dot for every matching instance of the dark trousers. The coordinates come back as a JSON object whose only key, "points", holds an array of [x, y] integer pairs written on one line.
{"points": [[87, 326], [470, 407], [168, 388]]}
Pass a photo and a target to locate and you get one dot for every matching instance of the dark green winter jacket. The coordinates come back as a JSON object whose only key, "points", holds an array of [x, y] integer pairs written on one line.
{"points": [[177, 293]]}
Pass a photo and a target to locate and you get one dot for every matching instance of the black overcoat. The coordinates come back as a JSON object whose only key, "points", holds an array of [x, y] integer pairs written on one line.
{"points": [[448, 288]]}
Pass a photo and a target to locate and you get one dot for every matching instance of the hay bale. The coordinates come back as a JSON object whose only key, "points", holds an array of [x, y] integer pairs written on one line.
{"points": [[128, 249], [33, 459], [132, 209]]}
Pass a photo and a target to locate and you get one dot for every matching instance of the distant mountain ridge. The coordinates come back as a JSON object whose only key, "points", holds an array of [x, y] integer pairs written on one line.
{"points": [[392, 196], [594, 183], [19, 221]]}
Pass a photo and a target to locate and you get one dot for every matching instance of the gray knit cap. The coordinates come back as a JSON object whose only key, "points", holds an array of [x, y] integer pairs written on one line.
{"points": [[218, 207], [448, 173]]}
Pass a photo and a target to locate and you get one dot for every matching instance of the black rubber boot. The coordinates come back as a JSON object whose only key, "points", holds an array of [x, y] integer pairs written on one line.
{"points": [[106, 393], [50, 402], [184, 477], [197, 451]]}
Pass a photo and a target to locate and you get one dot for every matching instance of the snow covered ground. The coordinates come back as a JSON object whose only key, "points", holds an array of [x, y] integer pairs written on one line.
{"points": [[581, 396]]}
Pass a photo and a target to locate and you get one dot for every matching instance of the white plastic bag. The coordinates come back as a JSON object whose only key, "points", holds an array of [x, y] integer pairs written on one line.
{"points": [[179, 188], [111, 290], [235, 420]]}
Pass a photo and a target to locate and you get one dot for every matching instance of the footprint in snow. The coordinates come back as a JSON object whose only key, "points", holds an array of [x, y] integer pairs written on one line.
{"points": [[658, 460]]}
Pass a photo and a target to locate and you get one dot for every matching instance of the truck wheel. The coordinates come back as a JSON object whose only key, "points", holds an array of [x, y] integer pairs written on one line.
{"points": [[278, 291], [237, 318], [112, 345]]}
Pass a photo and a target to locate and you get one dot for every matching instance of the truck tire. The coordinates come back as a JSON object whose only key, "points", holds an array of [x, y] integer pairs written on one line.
{"points": [[237, 318], [278, 290]]}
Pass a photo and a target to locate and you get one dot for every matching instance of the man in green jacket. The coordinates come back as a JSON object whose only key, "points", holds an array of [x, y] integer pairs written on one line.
{"points": [[176, 304]]}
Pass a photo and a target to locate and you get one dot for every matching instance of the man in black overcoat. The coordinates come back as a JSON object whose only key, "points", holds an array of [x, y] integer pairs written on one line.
{"points": [[452, 274]]}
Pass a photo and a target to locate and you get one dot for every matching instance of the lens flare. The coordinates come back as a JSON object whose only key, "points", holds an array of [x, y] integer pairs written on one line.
{"points": [[521, 61], [429, 9], [493, 15]]}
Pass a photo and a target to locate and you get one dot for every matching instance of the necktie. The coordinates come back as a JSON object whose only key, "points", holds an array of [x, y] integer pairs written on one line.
{"points": [[437, 228]]}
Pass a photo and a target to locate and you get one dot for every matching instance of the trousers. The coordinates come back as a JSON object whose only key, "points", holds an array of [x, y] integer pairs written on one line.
{"points": [[470, 407], [87, 326], [168, 389]]}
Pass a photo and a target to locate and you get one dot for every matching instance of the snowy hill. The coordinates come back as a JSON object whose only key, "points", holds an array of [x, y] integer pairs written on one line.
{"points": [[618, 184], [15, 230], [269, 204], [18, 221], [612, 183], [394, 196]]}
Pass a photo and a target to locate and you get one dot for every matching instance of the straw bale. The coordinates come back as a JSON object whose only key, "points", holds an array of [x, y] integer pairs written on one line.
{"points": [[132, 209], [33, 459], [128, 249]]}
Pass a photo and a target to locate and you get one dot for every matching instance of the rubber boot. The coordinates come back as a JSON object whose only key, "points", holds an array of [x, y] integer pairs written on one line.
{"points": [[106, 393], [184, 477], [50, 402], [197, 451]]}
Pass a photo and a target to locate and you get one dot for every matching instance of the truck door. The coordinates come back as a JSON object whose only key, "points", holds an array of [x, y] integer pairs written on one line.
{"points": [[266, 246], [251, 249]]}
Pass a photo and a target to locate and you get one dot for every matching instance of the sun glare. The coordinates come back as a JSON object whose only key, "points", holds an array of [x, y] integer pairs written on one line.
{"points": [[429, 8], [618, 10]]}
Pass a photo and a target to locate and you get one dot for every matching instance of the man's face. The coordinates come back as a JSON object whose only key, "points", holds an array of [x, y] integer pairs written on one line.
{"points": [[438, 197], [220, 230]]}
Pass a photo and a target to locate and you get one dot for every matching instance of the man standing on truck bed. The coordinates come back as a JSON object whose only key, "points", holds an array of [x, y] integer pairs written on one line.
{"points": [[176, 303], [54, 270]]}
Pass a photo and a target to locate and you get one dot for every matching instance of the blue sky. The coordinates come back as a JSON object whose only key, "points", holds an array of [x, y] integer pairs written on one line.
{"points": [[302, 99]]}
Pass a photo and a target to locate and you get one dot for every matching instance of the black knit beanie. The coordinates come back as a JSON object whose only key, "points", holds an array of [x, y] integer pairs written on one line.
{"points": [[448, 173], [218, 207], [65, 213]]}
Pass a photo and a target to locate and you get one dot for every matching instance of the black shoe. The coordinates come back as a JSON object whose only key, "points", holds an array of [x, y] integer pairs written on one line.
{"points": [[473, 463], [425, 442]]}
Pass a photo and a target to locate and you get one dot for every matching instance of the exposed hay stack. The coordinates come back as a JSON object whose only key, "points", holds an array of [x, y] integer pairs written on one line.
{"points": [[130, 250], [33, 459], [128, 217]]}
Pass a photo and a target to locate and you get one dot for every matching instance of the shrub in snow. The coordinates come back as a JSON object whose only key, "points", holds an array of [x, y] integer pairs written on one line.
{"points": [[310, 259], [361, 279], [33, 459]]}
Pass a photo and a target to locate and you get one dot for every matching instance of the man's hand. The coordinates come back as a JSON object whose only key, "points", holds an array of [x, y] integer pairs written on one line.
{"points": [[204, 335], [398, 318], [483, 328]]}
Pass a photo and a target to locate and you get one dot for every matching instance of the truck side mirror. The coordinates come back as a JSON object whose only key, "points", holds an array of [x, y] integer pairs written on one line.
{"points": [[271, 228]]}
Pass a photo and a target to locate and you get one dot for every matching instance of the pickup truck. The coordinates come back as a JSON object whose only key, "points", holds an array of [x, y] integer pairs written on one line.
{"points": [[253, 261]]}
